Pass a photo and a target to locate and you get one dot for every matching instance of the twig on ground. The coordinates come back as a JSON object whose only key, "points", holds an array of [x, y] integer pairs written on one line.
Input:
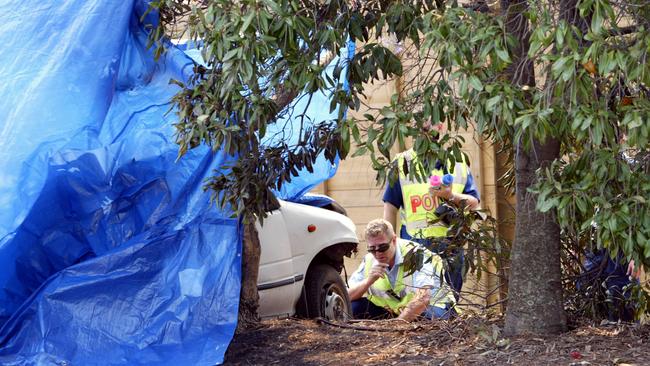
{"points": [[360, 327]]}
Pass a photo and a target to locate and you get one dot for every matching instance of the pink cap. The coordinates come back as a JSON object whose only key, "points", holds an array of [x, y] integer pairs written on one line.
{"points": [[435, 180]]}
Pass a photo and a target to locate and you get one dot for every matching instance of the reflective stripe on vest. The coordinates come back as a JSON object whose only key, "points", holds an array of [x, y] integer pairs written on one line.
{"points": [[383, 294], [419, 206]]}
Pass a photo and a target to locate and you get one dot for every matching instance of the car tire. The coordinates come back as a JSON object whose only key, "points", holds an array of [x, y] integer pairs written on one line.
{"points": [[325, 295]]}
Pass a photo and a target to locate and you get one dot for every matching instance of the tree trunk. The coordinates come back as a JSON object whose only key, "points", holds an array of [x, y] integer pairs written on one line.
{"points": [[249, 298], [535, 302]]}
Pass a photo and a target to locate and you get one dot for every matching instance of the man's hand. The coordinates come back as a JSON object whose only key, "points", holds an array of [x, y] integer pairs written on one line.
{"points": [[417, 305], [377, 271], [446, 193], [631, 272], [441, 192]]}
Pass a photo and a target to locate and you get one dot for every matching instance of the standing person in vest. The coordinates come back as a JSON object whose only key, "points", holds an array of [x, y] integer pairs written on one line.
{"points": [[416, 202], [379, 288]]}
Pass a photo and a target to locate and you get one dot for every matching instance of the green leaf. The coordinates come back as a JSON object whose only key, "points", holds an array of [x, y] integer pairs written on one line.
{"points": [[558, 66], [581, 204], [369, 117], [247, 22], [372, 134], [489, 105], [388, 113], [646, 247], [612, 223], [361, 150], [597, 20], [546, 205], [569, 71], [639, 199], [355, 133], [597, 134], [230, 54], [503, 55], [475, 83], [560, 34]]}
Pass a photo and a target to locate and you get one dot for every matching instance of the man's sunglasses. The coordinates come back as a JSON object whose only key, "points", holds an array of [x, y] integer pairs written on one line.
{"points": [[380, 248]]}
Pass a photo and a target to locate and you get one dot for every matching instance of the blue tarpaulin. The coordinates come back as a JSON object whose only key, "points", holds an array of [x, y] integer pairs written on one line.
{"points": [[110, 252]]}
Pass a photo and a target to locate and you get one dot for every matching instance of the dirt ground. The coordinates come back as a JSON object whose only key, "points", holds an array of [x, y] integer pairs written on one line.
{"points": [[471, 341]]}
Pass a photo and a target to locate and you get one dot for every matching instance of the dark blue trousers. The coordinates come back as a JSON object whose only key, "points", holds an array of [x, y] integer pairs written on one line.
{"points": [[364, 309], [612, 276]]}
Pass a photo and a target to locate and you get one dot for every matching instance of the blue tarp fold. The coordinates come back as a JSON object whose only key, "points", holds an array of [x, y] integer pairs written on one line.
{"points": [[110, 251]]}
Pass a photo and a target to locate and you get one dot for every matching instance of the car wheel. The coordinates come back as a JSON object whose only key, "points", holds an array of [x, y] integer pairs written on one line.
{"points": [[325, 295]]}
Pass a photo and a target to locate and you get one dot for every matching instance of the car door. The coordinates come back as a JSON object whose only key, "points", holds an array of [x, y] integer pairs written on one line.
{"points": [[278, 283]]}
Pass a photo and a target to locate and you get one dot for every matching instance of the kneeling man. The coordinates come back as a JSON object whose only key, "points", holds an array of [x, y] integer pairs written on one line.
{"points": [[379, 288]]}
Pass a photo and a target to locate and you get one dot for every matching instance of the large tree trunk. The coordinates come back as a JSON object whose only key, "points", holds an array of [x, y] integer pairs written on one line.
{"points": [[535, 302], [249, 298]]}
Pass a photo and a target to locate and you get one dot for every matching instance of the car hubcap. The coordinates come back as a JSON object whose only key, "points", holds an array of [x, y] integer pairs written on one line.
{"points": [[334, 305]]}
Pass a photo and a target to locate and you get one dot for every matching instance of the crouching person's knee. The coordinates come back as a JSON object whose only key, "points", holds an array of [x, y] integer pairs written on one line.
{"points": [[437, 312]]}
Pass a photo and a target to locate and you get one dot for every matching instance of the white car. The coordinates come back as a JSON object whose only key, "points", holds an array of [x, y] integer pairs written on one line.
{"points": [[302, 257]]}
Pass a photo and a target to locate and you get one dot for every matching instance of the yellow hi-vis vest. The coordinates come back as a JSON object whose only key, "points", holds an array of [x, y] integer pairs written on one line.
{"points": [[419, 206], [383, 294]]}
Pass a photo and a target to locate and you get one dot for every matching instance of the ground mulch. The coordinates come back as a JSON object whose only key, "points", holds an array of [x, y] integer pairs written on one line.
{"points": [[468, 341]]}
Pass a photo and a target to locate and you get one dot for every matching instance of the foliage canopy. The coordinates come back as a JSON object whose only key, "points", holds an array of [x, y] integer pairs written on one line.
{"points": [[457, 66], [591, 94]]}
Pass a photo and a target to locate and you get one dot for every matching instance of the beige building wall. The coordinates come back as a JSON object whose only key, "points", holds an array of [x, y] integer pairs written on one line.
{"points": [[354, 185]]}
